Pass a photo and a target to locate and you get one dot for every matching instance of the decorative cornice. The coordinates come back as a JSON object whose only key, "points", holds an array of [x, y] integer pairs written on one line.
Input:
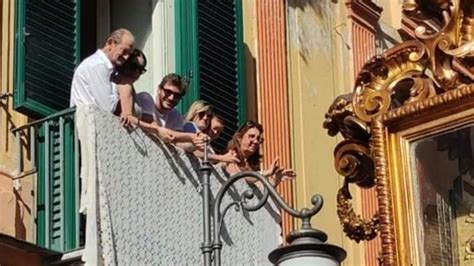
{"points": [[463, 93], [365, 13]]}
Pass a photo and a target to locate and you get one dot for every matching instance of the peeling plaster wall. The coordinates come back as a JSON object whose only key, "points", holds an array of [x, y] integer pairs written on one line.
{"points": [[390, 21], [319, 58]]}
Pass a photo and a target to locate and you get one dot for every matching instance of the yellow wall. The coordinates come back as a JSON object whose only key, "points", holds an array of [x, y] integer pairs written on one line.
{"points": [[320, 68], [249, 13], [15, 205], [392, 12], [318, 59], [152, 23]]}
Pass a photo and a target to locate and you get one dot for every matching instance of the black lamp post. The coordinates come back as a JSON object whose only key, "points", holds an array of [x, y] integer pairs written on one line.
{"points": [[306, 245]]}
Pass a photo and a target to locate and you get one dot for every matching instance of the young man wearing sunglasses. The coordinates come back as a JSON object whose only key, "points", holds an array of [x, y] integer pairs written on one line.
{"points": [[163, 110]]}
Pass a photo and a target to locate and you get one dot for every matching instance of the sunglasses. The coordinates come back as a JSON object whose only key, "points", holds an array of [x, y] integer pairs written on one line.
{"points": [[201, 115], [169, 92]]}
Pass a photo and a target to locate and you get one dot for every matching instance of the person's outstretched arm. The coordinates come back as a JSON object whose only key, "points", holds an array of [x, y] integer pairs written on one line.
{"points": [[228, 157], [125, 92]]}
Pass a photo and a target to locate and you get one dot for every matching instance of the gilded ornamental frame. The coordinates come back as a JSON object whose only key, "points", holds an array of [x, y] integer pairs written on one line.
{"points": [[416, 89], [392, 135]]}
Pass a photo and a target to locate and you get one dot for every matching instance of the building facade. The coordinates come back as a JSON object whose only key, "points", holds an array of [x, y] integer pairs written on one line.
{"points": [[280, 63]]}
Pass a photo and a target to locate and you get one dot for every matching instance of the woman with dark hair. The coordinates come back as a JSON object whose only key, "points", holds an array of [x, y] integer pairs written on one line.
{"points": [[123, 77], [246, 145], [130, 113]]}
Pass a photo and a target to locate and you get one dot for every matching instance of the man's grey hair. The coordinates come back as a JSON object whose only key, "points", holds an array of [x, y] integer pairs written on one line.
{"points": [[117, 35]]}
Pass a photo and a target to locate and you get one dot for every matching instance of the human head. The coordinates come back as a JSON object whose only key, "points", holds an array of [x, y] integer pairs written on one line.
{"points": [[200, 112], [216, 128], [134, 66], [118, 46], [246, 142], [172, 87]]}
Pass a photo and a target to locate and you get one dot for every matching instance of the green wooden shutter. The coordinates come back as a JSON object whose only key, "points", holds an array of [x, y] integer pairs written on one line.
{"points": [[210, 46], [57, 217], [47, 51], [187, 52]]}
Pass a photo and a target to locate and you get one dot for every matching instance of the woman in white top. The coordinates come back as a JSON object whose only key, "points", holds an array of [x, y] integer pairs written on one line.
{"points": [[123, 78]]}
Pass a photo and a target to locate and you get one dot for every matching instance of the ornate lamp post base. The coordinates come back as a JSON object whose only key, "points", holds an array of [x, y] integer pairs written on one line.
{"points": [[307, 247]]}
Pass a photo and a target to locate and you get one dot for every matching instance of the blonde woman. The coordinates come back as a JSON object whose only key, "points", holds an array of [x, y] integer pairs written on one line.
{"points": [[198, 118]]}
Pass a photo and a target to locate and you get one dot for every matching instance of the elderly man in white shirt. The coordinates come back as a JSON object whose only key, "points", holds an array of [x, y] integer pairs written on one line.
{"points": [[91, 84], [162, 110]]}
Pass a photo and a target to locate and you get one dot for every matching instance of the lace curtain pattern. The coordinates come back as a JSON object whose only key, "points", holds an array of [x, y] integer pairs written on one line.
{"points": [[144, 205]]}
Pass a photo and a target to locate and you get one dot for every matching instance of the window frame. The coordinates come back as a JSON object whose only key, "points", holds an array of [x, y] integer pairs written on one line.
{"points": [[21, 103], [187, 53]]}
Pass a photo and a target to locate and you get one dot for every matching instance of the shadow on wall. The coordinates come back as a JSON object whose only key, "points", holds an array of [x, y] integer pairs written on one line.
{"points": [[12, 208], [154, 192], [311, 31], [251, 84], [135, 16], [316, 5]]}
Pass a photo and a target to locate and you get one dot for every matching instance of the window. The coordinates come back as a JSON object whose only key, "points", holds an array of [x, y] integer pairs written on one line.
{"points": [[48, 47], [210, 51], [47, 51]]}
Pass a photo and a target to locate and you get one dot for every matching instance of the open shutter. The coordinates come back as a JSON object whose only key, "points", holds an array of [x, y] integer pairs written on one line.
{"points": [[210, 46], [221, 63], [47, 51], [57, 217], [187, 50]]}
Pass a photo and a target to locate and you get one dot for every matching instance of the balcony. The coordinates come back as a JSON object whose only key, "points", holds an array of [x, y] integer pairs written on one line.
{"points": [[142, 197]]}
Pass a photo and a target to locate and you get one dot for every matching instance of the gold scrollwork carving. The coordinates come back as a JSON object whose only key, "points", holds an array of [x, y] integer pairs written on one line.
{"points": [[378, 78], [409, 78], [452, 42], [353, 160]]}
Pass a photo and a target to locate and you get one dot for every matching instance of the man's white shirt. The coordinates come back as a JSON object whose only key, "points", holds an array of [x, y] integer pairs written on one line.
{"points": [[91, 84]]}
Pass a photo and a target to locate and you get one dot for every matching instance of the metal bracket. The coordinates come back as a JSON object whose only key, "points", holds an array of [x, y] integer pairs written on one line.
{"points": [[5, 95]]}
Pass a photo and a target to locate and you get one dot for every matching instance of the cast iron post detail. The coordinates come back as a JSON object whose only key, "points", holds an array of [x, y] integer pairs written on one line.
{"points": [[205, 169], [215, 248]]}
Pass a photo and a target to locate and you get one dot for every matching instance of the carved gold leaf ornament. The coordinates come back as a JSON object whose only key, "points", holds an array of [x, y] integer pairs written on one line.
{"points": [[453, 40], [353, 160], [355, 227], [411, 78], [379, 77], [469, 249], [421, 89]]}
